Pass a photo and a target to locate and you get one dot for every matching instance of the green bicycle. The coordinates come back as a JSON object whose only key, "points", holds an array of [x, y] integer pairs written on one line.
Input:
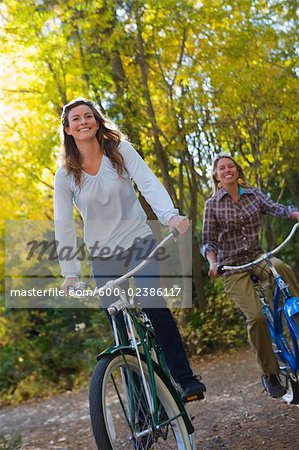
{"points": [[134, 403]]}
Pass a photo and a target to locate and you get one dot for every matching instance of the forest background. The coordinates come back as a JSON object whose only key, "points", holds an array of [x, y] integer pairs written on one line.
{"points": [[185, 80]]}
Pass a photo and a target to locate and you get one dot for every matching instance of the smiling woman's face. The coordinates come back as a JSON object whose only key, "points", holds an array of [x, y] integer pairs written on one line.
{"points": [[82, 123], [226, 172]]}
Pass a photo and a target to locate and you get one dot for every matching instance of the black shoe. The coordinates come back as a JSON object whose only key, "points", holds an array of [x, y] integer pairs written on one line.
{"points": [[272, 386], [193, 389]]}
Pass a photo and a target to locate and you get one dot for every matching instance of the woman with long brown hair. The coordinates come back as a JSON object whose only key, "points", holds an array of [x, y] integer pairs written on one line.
{"points": [[98, 164]]}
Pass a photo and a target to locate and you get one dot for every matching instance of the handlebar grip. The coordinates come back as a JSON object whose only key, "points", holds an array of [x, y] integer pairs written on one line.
{"points": [[175, 233], [79, 287], [220, 270]]}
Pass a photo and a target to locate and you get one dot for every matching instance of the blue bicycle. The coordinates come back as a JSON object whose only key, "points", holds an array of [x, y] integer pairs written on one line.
{"points": [[282, 316]]}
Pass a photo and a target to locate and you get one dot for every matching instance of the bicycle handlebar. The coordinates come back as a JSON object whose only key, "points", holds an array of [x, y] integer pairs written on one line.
{"points": [[81, 285], [223, 268], [113, 283]]}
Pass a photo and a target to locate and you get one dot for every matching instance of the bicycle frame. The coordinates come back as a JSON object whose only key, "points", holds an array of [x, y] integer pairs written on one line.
{"points": [[146, 348], [290, 306]]}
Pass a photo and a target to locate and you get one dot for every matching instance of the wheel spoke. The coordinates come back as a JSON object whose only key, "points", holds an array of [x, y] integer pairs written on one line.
{"points": [[121, 412]]}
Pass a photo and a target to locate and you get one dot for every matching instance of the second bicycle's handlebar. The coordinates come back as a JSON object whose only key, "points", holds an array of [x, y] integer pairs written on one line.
{"points": [[222, 268]]}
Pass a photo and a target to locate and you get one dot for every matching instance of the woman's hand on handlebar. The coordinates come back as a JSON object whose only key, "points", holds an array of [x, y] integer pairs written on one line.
{"points": [[295, 215], [213, 272], [68, 282], [180, 223], [212, 258]]}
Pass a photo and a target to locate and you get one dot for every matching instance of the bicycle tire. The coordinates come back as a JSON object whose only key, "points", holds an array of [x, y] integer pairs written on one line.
{"points": [[289, 381], [292, 387], [112, 426]]}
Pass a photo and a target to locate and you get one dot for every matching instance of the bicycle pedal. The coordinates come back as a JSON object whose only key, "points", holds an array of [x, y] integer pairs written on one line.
{"points": [[193, 397]]}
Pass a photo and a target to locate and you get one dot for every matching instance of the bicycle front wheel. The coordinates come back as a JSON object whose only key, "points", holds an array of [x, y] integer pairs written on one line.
{"points": [[291, 384], [119, 412]]}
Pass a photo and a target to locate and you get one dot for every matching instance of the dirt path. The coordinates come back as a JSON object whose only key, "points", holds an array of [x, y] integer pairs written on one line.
{"points": [[235, 415]]}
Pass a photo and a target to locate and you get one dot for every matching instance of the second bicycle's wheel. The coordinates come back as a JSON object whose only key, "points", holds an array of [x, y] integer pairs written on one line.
{"points": [[119, 413], [292, 386]]}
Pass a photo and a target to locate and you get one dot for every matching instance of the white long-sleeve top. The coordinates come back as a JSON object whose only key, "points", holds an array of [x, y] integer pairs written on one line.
{"points": [[112, 214]]}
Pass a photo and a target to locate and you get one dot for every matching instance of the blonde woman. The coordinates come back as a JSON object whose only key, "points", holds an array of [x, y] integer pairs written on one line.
{"points": [[232, 221]]}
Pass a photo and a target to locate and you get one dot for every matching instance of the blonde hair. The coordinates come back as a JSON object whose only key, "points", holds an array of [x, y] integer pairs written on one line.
{"points": [[241, 176], [108, 136]]}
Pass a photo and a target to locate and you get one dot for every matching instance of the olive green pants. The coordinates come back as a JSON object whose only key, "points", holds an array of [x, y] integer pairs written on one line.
{"points": [[241, 290]]}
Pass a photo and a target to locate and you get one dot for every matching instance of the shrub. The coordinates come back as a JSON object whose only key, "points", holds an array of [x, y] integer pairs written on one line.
{"points": [[219, 326]]}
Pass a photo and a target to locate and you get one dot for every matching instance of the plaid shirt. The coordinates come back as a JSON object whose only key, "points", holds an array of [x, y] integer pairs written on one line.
{"points": [[231, 230]]}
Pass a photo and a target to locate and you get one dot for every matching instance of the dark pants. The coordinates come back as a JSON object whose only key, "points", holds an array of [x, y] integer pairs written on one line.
{"points": [[168, 336]]}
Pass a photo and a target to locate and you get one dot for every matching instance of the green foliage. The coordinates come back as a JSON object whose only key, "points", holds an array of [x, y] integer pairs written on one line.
{"points": [[13, 443], [219, 326], [34, 386], [48, 351]]}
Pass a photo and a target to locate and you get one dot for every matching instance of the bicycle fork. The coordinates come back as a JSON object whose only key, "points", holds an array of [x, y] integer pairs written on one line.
{"points": [[124, 376], [134, 345]]}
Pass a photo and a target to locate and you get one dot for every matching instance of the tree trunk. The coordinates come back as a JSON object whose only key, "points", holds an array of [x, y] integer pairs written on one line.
{"points": [[159, 150]]}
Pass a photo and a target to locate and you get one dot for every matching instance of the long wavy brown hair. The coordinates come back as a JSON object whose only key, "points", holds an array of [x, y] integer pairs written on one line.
{"points": [[108, 136], [241, 176]]}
